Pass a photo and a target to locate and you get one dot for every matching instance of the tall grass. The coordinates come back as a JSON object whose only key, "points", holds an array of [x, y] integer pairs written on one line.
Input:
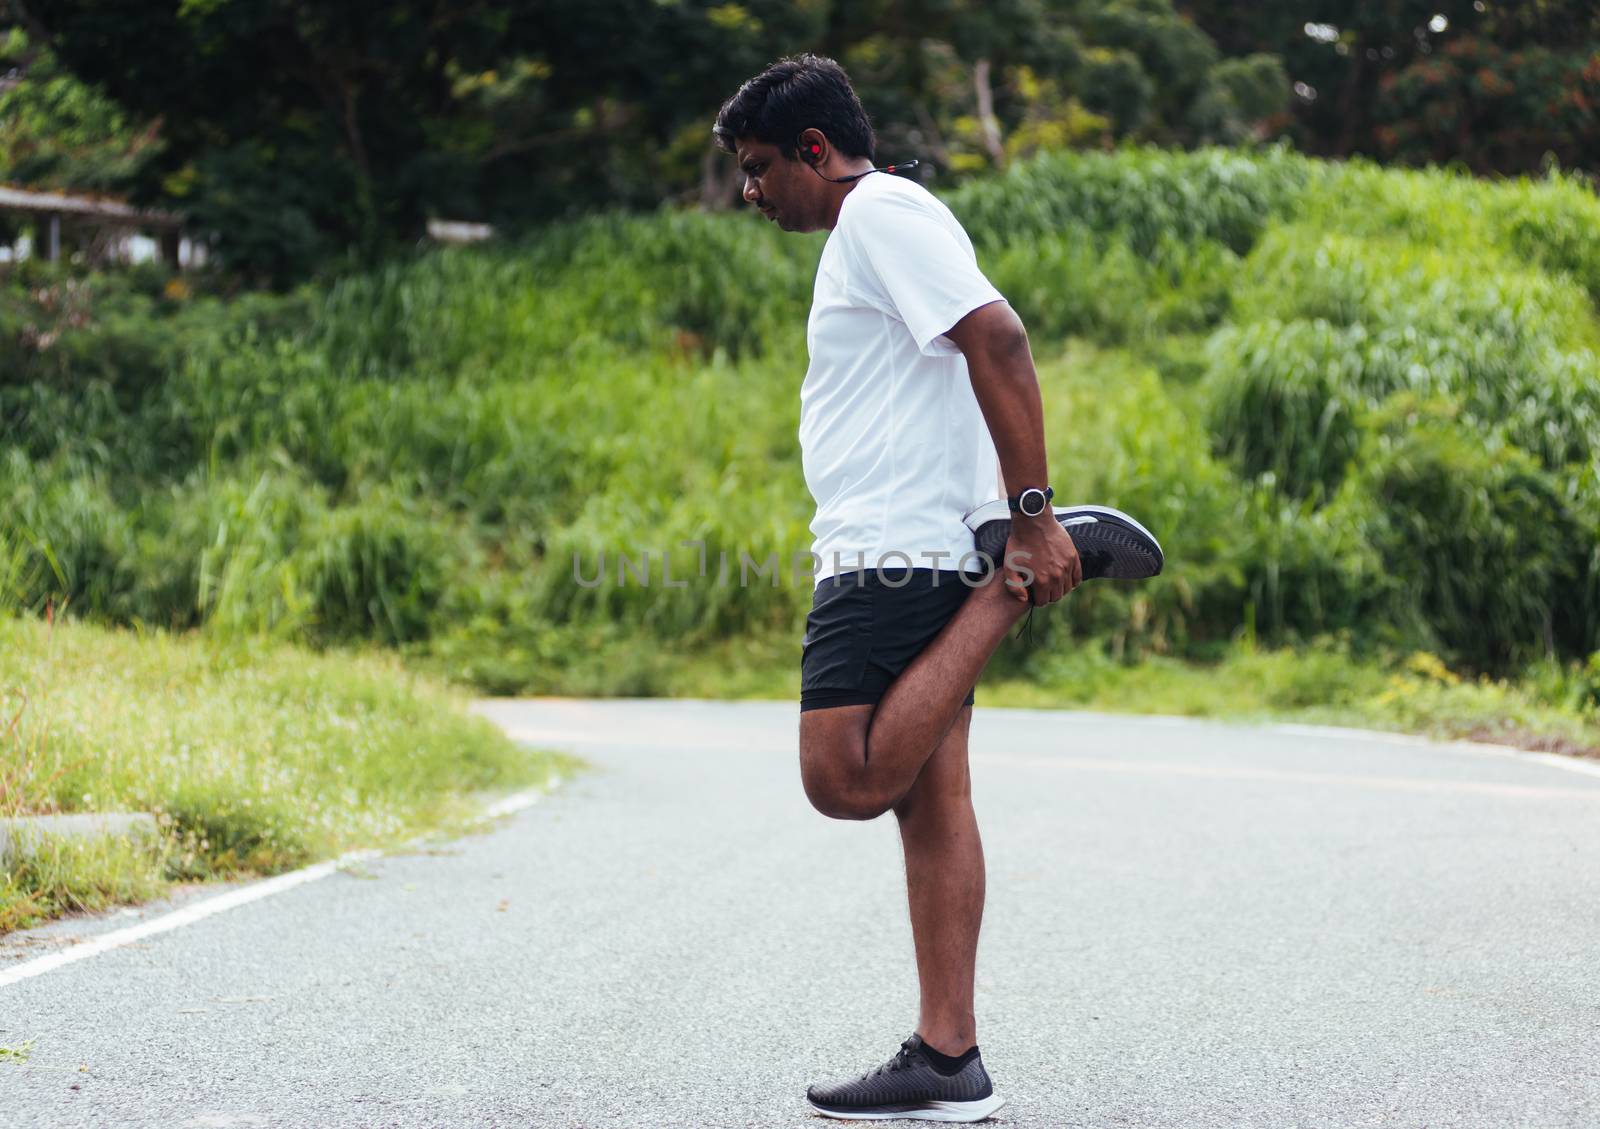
{"points": [[198, 728], [1480, 536], [601, 287], [1148, 196], [1327, 326], [253, 757], [1231, 343], [1084, 283], [14, 579]]}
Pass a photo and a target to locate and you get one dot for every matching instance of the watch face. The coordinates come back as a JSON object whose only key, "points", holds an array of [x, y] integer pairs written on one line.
{"points": [[1031, 502]]}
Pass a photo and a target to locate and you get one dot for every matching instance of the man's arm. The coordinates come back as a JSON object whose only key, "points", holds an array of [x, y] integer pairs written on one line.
{"points": [[1000, 363]]}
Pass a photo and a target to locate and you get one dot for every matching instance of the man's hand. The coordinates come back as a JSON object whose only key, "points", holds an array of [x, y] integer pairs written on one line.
{"points": [[1042, 546], [1000, 364]]}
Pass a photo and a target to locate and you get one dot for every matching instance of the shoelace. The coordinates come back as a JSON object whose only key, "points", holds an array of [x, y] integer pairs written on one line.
{"points": [[901, 1060], [1027, 624]]}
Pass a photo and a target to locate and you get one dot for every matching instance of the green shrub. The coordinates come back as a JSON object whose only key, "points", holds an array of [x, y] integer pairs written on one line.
{"points": [[119, 329], [1551, 222], [1311, 571], [507, 452], [1382, 282], [1441, 208], [1578, 620], [1080, 282], [1330, 326], [217, 550], [76, 543], [247, 394], [726, 474], [15, 561], [1477, 534], [84, 425], [1283, 400], [413, 454], [600, 285], [1150, 195], [373, 570]]}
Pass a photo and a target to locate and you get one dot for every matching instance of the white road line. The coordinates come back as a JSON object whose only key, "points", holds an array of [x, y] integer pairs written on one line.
{"points": [[188, 915], [1556, 760], [520, 801], [233, 899]]}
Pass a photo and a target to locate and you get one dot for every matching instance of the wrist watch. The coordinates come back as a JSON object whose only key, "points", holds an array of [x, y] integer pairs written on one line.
{"points": [[1031, 502]]}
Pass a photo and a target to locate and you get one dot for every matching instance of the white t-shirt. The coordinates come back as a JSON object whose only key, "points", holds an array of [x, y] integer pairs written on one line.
{"points": [[894, 446]]}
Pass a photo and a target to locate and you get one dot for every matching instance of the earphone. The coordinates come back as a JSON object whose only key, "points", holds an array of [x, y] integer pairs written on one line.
{"points": [[816, 152]]}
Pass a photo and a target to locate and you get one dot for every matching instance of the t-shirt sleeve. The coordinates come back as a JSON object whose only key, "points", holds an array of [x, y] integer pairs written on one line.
{"points": [[926, 270]]}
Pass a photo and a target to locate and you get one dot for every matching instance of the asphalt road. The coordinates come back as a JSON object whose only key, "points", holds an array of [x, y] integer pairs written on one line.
{"points": [[1189, 925]]}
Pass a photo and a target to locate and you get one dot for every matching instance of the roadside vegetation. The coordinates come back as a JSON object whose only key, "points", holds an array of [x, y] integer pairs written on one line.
{"points": [[1360, 407], [1548, 706], [254, 758]]}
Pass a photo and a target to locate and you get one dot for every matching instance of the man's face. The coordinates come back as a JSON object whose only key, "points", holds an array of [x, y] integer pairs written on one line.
{"points": [[785, 190]]}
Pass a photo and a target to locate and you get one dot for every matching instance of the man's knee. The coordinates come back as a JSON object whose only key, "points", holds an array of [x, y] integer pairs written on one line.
{"points": [[833, 764], [844, 795]]}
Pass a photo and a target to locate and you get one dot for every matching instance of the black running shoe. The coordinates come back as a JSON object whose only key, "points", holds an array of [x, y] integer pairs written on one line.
{"points": [[1111, 544], [908, 1086]]}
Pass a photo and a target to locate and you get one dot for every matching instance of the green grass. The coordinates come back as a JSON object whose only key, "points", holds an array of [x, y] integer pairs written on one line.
{"points": [[1323, 685], [254, 757], [68, 876], [1547, 707], [1355, 403], [413, 456]]}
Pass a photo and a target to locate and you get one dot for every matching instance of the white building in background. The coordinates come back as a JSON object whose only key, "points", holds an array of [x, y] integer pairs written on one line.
{"points": [[458, 231], [104, 231]]}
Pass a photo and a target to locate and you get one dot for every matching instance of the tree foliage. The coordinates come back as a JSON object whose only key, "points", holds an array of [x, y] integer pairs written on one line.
{"points": [[298, 130], [58, 132], [1494, 84]]}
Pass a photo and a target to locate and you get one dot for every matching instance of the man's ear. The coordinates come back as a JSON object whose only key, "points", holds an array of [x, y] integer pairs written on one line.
{"points": [[813, 146]]}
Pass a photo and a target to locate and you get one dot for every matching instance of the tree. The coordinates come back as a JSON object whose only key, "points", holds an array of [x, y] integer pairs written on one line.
{"points": [[296, 130], [56, 132], [1491, 83]]}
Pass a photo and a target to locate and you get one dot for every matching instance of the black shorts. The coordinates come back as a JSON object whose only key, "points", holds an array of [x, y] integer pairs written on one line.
{"points": [[865, 628]]}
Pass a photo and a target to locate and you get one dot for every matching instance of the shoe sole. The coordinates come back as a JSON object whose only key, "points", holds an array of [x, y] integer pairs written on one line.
{"points": [[1112, 545], [923, 1111]]}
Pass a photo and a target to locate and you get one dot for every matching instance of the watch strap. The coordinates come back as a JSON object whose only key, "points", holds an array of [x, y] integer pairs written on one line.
{"points": [[1015, 500]]}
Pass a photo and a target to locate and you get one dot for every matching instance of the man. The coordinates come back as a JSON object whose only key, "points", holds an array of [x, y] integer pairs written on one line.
{"points": [[920, 383]]}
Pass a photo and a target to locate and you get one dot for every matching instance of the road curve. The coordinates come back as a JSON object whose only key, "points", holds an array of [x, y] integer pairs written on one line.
{"points": [[1190, 924]]}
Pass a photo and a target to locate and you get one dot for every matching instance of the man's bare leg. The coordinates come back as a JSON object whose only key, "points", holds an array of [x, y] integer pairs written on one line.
{"points": [[857, 762], [945, 885], [922, 704]]}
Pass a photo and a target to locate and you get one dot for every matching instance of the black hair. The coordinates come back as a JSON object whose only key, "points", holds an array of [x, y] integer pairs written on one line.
{"points": [[794, 94]]}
